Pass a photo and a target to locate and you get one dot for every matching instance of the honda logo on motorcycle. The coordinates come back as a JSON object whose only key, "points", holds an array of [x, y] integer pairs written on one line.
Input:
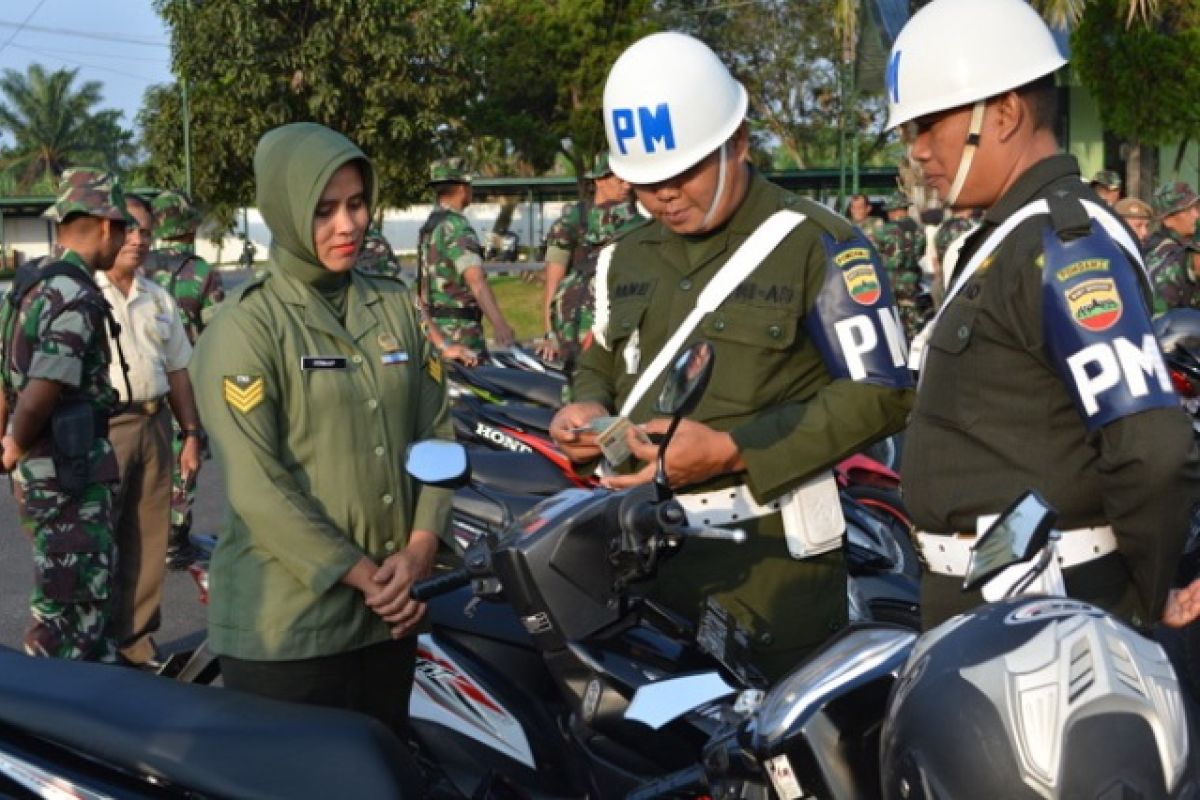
{"points": [[501, 438]]}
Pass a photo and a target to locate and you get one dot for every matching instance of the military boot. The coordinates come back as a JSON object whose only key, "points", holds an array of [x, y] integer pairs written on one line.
{"points": [[181, 553]]}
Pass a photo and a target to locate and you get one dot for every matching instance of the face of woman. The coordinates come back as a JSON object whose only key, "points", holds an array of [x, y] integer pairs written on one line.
{"points": [[340, 220]]}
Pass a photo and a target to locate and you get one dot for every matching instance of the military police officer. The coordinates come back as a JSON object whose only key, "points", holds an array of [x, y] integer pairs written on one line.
{"points": [[197, 289], [1169, 257], [572, 245], [451, 283], [901, 243], [1041, 370], [55, 376], [789, 396]]}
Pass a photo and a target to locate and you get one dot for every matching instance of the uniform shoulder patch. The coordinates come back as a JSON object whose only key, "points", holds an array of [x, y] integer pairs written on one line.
{"points": [[243, 392]]}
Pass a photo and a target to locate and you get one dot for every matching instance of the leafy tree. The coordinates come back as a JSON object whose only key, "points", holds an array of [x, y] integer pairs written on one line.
{"points": [[383, 72], [53, 125], [541, 73], [1145, 76]]}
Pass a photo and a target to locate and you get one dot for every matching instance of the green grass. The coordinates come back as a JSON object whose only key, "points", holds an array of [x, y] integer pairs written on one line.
{"points": [[521, 304]]}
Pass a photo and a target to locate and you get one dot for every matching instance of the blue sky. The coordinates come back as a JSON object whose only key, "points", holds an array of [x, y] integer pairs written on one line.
{"points": [[120, 43]]}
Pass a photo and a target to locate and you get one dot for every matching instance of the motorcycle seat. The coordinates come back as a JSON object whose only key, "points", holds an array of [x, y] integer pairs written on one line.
{"points": [[490, 509], [525, 415], [534, 387], [516, 473], [214, 742]]}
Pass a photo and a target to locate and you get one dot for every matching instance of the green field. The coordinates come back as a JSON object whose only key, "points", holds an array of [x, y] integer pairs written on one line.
{"points": [[521, 304]]}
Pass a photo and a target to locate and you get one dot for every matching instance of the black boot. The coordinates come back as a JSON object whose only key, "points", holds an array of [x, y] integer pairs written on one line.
{"points": [[180, 551]]}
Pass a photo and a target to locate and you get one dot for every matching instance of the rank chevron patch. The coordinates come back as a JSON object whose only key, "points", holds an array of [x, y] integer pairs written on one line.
{"points": [[244, 392]]}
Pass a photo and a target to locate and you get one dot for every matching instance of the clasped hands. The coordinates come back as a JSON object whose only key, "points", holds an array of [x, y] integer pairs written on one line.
{"points": [[385, 587]]}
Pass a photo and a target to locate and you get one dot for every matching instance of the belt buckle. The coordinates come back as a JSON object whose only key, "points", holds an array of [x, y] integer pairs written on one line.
{"points": [[150, 407]]}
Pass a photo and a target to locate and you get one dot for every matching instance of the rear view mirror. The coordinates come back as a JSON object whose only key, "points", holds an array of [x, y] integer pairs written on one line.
{"points": [[1016, 536], [686, 381], [436, 462]]}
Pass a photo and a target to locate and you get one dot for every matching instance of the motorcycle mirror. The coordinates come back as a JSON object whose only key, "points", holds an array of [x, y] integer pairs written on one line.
{"points": [[436, 462], [686, 381], [1016, 536], [685, 385]]}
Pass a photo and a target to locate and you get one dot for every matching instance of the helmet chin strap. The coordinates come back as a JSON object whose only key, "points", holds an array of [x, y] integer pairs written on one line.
{"points": [[716, 201], [968, 154]]}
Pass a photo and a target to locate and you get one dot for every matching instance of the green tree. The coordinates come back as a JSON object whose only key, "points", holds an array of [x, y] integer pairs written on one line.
{"points": [[383, 72], [541, 69], [1144, 76], [53, 124]]}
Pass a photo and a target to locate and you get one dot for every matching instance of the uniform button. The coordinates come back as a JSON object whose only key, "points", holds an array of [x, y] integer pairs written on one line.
{"points": [[719, 325], [775, 331], [372, 404], [389, 546], [379, 451], [973, 291], [626, 325], [387, 499], [766, 640], [685, 284], [964, 332], [357, 359]]}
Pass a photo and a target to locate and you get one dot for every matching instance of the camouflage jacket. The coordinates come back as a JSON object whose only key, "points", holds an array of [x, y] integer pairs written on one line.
{"points": [[58, 334], [1169, 262], [901, 245], [191, 280], [950, 229], [603, 223], [448, 247], [377, 257]]}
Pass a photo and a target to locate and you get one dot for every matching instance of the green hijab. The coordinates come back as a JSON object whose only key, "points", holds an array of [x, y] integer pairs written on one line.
{"points": [[292, 166]]}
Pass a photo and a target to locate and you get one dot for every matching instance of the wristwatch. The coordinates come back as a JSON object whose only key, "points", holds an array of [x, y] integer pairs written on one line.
{"points": [[198, 433]]}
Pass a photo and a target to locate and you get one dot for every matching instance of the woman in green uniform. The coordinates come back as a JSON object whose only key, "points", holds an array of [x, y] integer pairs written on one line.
{"points": [[312, 381]]}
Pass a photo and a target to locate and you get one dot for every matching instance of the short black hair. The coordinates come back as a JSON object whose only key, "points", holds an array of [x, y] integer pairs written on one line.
{"points": [[1042, 97]]}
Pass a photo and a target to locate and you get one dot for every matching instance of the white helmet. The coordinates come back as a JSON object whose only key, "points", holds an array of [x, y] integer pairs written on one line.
{"points": [[668, 103], [954, 52]]}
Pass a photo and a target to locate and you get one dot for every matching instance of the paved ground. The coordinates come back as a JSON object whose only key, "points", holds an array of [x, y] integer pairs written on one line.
{"points": [[183, 615]]}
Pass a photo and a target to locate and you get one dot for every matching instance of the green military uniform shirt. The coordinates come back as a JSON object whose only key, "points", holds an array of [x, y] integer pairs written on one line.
{"points": [[1169, 262], [993, 418], [770, 389], [447, 250], [311, 419]]}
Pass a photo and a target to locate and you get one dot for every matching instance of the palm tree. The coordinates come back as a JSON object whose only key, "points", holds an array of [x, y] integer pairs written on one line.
{"points": [[52, 125]]}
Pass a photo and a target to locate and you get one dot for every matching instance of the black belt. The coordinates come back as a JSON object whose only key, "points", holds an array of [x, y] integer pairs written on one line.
{"points": [[452, 312]]}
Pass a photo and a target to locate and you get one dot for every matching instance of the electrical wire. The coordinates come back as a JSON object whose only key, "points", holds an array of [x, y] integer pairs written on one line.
{"points": [[22, 26], [95, 35]]}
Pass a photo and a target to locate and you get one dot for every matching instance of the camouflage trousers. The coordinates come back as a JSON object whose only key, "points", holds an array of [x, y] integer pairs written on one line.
{"points": [[466, 332], [73, 558]]}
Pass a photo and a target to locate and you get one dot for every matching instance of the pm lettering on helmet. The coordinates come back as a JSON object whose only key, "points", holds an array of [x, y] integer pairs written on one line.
{"points": [[654, 125]]}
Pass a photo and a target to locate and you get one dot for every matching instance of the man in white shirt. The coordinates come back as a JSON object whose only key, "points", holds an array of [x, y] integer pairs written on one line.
{"points": [[157, 350]]}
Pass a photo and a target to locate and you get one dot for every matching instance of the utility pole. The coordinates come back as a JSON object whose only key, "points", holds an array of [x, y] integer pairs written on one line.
{"points": [[187, 139]]}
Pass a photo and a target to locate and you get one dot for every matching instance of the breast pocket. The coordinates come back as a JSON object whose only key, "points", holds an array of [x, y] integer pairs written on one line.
{"points": [[753, 349], [950, 383]]}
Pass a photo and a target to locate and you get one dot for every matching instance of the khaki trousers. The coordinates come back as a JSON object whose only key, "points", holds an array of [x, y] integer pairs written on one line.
{"points": [[141, 519]]}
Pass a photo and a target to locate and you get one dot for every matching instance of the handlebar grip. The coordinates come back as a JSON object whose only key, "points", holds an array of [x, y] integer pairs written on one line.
{"points": [[439, 585]]}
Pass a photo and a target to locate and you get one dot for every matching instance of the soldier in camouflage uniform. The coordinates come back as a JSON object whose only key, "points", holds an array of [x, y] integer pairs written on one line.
{"points": [[377, 256], [1168, 259], [55, 370], [451, 284], [901, 243], [572, 245], [1107, 184], [196, 287]]}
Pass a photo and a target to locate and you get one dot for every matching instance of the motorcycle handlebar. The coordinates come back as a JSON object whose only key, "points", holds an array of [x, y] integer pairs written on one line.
{"points": [[688, 778], [439, 585], [735, 535]]}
